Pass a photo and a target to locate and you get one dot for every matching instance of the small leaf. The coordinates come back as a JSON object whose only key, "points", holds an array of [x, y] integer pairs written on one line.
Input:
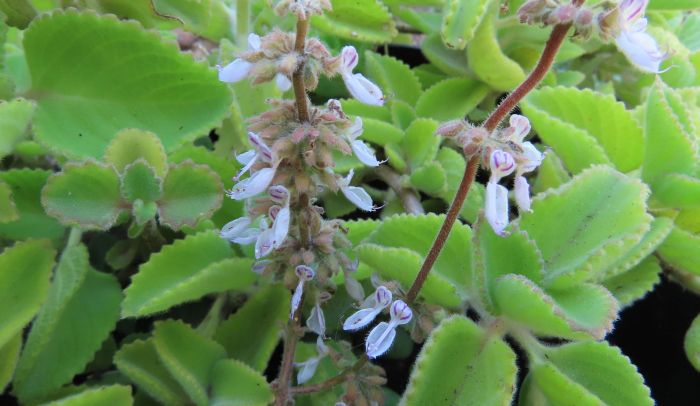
{"points": [[25, 269], [139, 181], [691, 344], [420, 143], [114, 395], [252, 333], [451, 99], [131, 144], [461, 364], [188, 356], [395, 78], [460, 19], [134, 80], [681, 251], [191, 193], [184, 271], [15, 116], [450, 61], [380, 132], [140, 363], [8, 209], [84, 195], [9, 354], [81, 309], [402, 114], [430, 178], [236, 384], [359, 20], [19, 12], [635, 283]]}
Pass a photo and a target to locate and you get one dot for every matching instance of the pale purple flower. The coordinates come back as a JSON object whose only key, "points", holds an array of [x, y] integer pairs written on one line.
{"points": [[362, 151], [304, 273], [521, 127], [501, 164], [357, 196], [254, 185], [496, 207], [633, 40], [382, 336], [240, 68], [372, 306], [260, 151], [239, 231], [317, 320], [359, 86], [307, 369], [522, 193]]}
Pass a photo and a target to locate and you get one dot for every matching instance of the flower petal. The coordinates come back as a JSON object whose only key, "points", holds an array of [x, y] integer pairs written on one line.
{"points": [[235, 228], [501, 164], [252, 186], [531, 158], [522, 193], [349, 59], [360, 319], [235, 71], [641, 48], [317, 321], [280, 227], [380, 339], [363, 89], [307, 370], [400, 312], [359, 197], [521, 125], [254, 42], [364, 153], [496, 209], [264, 244], [283, 83], [296, 299]]}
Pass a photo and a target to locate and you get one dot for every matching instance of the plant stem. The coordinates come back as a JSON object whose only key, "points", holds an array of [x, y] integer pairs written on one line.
{"points": [[242, 21], [344, 376], [290, 346], [409, 199], [543, 65], [298, 76]]}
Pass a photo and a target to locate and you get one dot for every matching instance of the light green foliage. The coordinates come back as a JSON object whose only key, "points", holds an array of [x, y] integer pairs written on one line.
{"points": [[19, 13], [130, 145], [190, 192], [15, 116], [678, 191], [9, 354], [359, 20], [635, 283], [460, 19], [188, 357], [184, 271], [236, 384], [691, 344], [430, 178], [451, 98], [252, 333], [461, 364], [420, 142], [8, 209], [447, 60], [81, 309], [681, 250], [550, 174], [116, 395], [139, 181], [133, 80], [380, 132], [208, 18], [25, 270], [396, 79], [454, 165]]}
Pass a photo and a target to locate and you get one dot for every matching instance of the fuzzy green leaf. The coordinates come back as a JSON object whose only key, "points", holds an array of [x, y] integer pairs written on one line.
{"points": [[635, 283], [454, 165], [25, 269], [460, 19], [207, 18], [402, 114], [691, 343], [395, 78], [184, 271], [681, 251], [677, 191], [550, 174], [420, 143], [481, 368], [236, 384], [451, 99], [9, 354], [191, 192], [450, 61], [380, 132], [8, 209], [114, 395], [131, 144], [133, 80], [252, 333], [188, 356], [430, 178], [139, 181], [15, 116], [359, 20], [81, 309], [19, 13]]}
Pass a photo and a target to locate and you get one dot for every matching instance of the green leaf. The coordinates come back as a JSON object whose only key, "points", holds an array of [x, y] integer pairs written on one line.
{"points": [[19, 12], [394, 77], [114, 395], [452, 62], [33, 222], [673, 5], [184, 271], [354, 107], [9, 354], [25, 269], [460, 19], [252, 333], [8, 209], [402, 114], [681, 251], [15, 116], [84, 195], [139, 181], [598, 115], [131, 144], [430, 178], [207, 18], [691, 344], [236, 384], [139, 362], [420, 143], [81, 309], [677, 191], [669, 147], [188, 356], [359, 230], [596, 371], [191, 192], [358, 20], [550, 174], [133, 80], [461, 364], [486, 58], [451, 98], [581, 219], [635, 283], [428, 74], [380, 132]]}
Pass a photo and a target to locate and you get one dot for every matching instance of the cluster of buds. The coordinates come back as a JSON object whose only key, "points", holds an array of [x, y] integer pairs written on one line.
{"points": [[503, 152], [552, 12]]}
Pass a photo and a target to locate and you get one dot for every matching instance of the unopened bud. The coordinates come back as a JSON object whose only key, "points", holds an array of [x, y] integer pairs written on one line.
{"points": [[532, 11], [451, 128], [472, 140], [562, 15]]}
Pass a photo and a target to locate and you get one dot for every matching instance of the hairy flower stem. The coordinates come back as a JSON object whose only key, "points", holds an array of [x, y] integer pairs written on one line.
{"points": [[298, 76], [554, 42], [290, 346]]}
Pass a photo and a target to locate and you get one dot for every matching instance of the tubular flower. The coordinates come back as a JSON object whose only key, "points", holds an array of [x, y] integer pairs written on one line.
{"points": [[357, 196], [307, 369], [305, 274], [371, 307], [359, 86], [362, 151], [382, 336]]}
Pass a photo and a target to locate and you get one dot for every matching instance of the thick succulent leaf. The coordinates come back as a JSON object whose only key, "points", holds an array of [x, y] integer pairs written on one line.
{"points": [[19, 13], [428, 74], [15, 116], [84, 195], [395, 78], [191, 192], [460, 19], [402, 114], [681, 251], [133, 80], [430, 178], [184, 271], [252, 333], [451, 99], [25, 269], [139, 362], [236, 384], [359, 230], [25, 186], [556, 109], [594, 371], [358, 20], [454, 165], [9, 354], [550, 174], [130, 145], [380, 132], [691, 344], [139, 181], [689, 32], [420, 143], [188, 356], [587, 307], [486, 58], [114, 395], [635, 283], [670, 147], [81, 309], [677, 191], [450, 61], [461, 364], [417, 234], [581, 219]]}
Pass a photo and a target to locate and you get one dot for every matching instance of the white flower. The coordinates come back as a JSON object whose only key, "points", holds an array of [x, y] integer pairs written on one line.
{"points": [[239, 231], [239, 68], [382, 336], [247, 159], [522, 193], [358, 85], [252, 186], [372, 306], [501, 164], [631, 37], [304, 273], [357, 196], [307, 369], [362, 151], [496, 209], [282, 81], [317, 321]]}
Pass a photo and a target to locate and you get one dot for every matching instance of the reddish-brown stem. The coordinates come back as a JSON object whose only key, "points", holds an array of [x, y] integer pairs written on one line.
{"points": [[298, 76], [346, 375], [290, 346]]}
